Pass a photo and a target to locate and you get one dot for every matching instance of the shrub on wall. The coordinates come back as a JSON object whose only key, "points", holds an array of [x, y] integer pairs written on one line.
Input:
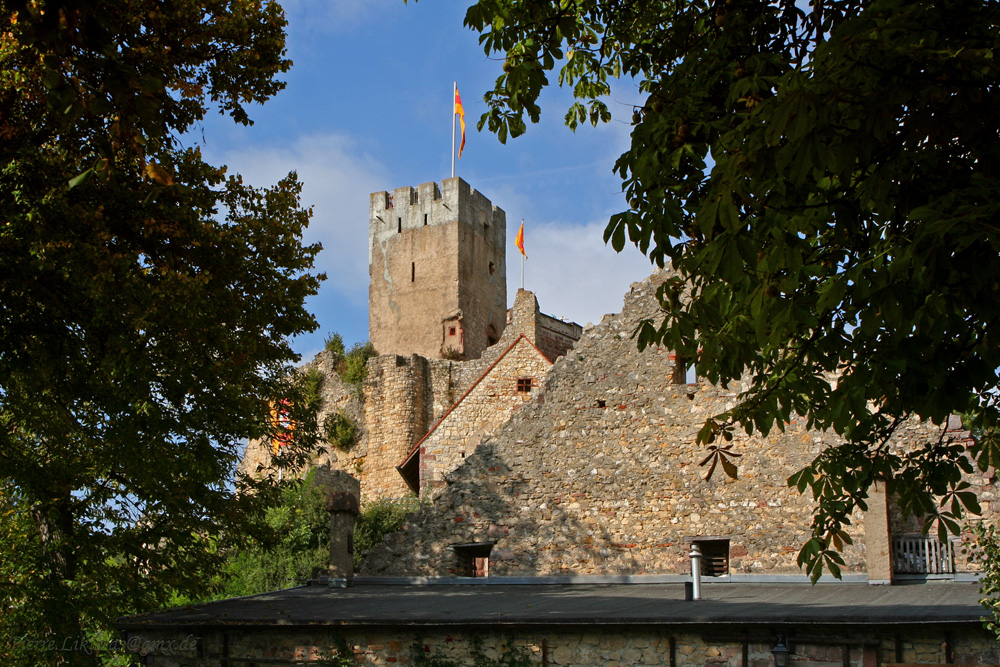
{"points": [[339, 430], [349, 364], [353, 372], [334, 344], [312, 385]]}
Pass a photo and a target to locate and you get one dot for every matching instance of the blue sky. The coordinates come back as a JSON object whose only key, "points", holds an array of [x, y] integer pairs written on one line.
{"points": [[367, 108]]}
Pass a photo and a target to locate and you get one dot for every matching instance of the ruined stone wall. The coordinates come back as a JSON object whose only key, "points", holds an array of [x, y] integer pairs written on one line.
{"points": [[487, 404], [602, 475], [437, 266], [595, 647]]}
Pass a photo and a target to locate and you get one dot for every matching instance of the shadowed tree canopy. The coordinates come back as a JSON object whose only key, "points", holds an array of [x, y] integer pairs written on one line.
{"points": [[146, 302], [824, 179]]}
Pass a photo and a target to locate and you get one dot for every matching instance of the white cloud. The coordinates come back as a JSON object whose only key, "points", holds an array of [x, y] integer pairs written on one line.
{"points": [[330, 16], [337, 179], [572, 272]]}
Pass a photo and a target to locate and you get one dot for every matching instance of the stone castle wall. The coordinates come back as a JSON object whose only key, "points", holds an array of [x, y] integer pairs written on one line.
{"points": [[404, 396], [601, 475], [597, 474]]}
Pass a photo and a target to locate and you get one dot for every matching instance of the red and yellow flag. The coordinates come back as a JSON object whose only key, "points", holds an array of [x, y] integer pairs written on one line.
{"points": [[461, 119], [283, 428], [519, 240]]}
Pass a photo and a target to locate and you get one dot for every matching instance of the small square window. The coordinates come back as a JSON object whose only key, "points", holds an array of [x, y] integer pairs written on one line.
{"points": [[714, 556], [683, 371], [524, 385], [451, 331], [473, 560]]}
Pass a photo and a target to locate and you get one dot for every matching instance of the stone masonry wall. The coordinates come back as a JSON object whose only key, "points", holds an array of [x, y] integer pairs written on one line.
{"points": [[601, 475], [608, 647], [487, 405], [402, 398]]}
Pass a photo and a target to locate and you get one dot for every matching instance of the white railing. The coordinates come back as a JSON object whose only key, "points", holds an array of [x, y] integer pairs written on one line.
{"points": [[922, 555]]}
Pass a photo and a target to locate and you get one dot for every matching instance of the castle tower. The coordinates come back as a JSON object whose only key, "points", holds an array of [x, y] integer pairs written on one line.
{"points": [[438, 271]]}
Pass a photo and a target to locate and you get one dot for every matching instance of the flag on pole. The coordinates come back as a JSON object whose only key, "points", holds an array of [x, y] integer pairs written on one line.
{"points": [[519, 240], [461, 119]]}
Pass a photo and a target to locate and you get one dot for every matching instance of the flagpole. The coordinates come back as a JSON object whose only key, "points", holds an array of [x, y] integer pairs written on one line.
{"points": [[522, 259], [454, 92]]}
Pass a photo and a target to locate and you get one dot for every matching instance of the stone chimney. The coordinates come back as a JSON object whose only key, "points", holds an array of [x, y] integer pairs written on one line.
{"points": [[343, 504]]}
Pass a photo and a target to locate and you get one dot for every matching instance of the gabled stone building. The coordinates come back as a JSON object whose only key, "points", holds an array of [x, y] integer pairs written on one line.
{"points": [[504, 387]]}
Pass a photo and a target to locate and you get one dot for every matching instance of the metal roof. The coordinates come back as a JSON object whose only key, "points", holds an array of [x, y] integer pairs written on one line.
{"points": [[590, 605]]}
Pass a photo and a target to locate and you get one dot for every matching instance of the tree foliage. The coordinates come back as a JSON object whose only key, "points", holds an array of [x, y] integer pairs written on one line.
{"points": [[823, 178], [146, 300], [985, 552], [334, 344], [298, 542]]}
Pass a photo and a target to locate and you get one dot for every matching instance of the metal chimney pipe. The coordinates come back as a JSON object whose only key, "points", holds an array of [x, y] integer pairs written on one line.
{"points": [[696, 570]]}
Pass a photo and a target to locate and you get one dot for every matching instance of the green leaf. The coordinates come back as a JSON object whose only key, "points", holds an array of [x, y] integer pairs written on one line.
{"points": [[79, 179], [618, 238]]}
